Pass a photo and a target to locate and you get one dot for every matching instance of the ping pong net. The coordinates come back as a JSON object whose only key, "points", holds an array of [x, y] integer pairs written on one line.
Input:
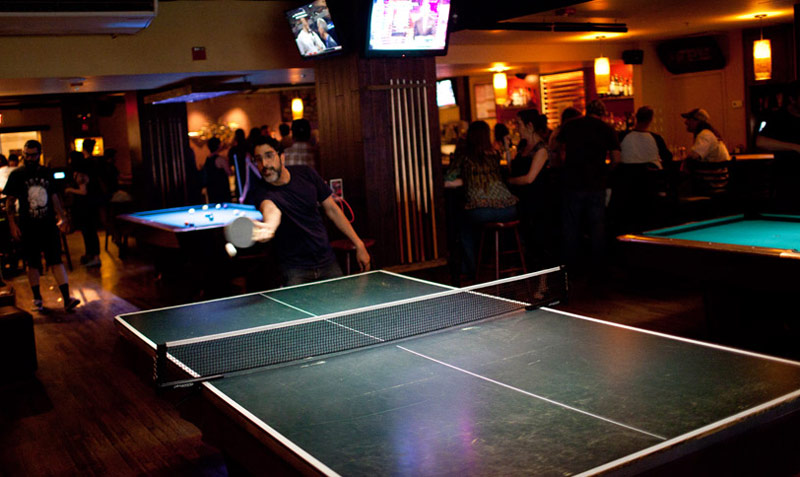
{"points": [[188, 361]]}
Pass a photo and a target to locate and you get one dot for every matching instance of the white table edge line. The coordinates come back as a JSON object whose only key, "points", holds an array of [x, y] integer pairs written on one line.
{"points": [[299, 451], [677, 338], [691, 434]]}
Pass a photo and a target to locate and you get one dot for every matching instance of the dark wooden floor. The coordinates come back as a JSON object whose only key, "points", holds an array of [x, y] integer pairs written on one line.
{"points": [[88, 413]]}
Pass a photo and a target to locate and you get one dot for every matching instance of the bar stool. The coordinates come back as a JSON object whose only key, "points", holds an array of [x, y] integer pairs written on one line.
{"points": [[347, 247], [496, 228]]}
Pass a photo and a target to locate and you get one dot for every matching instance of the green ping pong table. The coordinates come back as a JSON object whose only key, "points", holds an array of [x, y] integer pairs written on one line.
{"points": [[524, 392]]}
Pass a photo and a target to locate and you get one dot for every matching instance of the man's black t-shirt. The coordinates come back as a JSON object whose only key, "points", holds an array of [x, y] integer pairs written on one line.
{"points": [[33, 186], [301, 240], [587, 141]]}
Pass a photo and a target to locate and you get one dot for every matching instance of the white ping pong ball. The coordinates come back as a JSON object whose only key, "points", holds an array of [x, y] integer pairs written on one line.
{"points": [[230, 249], [191, 211], [205, 207]]}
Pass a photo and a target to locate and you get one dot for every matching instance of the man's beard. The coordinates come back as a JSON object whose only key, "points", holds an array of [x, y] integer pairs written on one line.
{"points": [[267, 170]]}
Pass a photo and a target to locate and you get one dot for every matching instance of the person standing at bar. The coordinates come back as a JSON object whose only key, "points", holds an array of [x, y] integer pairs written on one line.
{"points": [[588, 142], [781, 134], [529, 185]]}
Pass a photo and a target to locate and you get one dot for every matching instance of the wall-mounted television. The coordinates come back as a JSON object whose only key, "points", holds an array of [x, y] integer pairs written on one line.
{"points": [[313, 29], [407, 27], [445, 95]]}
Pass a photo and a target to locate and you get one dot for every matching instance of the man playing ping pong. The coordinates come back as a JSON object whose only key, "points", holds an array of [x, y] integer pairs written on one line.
{"points": [[289, 200]]}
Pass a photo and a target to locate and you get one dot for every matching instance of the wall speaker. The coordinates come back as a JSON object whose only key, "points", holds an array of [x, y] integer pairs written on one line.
{"points": [[633, 57]]}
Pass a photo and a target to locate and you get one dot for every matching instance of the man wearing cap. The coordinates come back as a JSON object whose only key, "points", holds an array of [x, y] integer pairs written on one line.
{"points": [[708, 155], [780, 134]]}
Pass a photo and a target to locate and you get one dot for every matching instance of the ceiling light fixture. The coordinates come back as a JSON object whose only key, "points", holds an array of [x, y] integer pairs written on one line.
{"points": [[602, 73], [762, 54], [500, 84]]}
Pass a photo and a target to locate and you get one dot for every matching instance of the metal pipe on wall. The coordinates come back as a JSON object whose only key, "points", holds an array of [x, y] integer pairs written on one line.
{"points": [[397, 196], [430, 167]]}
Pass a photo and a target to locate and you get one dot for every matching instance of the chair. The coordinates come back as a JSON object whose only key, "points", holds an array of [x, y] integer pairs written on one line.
{"points": [[496, 228], [346, 246], [17, 343]]}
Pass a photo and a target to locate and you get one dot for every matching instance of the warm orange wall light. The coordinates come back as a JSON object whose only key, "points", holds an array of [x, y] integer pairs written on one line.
{"points": [[602, 74], [297, 108], [762, 56], [500, 84]]}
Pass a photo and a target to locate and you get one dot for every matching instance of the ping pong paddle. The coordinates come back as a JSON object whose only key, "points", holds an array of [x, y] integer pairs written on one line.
{"points": [[238, 234]]}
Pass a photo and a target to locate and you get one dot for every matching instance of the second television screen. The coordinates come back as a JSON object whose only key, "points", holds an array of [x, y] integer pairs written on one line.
{"points": [[413, 27]]}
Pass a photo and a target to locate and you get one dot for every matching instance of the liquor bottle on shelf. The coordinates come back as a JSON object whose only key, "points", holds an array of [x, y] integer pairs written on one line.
{"points": [[612, 86]]}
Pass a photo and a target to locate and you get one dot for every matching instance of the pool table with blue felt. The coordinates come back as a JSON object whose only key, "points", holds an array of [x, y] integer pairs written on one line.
{"points": [[169, 227], [764, 248], [743, 263], [191, 240]]}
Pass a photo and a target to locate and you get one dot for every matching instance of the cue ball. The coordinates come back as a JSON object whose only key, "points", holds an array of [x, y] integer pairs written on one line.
{"points": [[191, 211], [230, 249], [205, 207]]}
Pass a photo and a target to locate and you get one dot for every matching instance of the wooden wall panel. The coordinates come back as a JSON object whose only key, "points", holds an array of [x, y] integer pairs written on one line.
{"points": [[356, 142]]}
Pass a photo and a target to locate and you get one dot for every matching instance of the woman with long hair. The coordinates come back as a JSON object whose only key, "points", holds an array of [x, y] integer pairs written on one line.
{"points": [[527, 182], [487, 199]]}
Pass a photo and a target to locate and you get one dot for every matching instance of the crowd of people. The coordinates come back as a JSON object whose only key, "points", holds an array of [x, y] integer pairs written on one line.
{"points": [[574, 187], [37, 218], [571, 188], [280, 178], [235, 160]]}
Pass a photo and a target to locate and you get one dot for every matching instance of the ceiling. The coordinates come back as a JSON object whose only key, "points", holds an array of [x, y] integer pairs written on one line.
{"points": [[661, 19]]}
